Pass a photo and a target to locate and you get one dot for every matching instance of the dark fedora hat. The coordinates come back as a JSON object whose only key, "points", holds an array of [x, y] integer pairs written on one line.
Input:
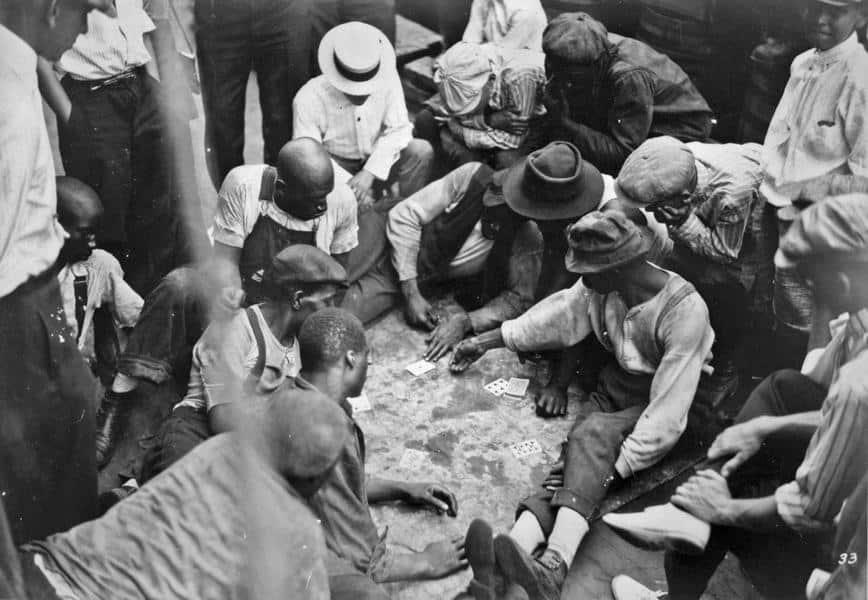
{"points": [[553, 183]]}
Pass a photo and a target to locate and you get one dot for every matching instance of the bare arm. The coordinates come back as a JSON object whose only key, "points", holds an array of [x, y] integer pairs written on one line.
{"points": [[52, 91]]}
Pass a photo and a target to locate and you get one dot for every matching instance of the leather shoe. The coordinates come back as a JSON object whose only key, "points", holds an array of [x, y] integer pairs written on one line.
{"points": [[110, 423], [541, 578], [662, 527]]}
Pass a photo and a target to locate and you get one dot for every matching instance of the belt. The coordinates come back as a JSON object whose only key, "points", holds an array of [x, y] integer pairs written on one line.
{"points": [[101, 83]]}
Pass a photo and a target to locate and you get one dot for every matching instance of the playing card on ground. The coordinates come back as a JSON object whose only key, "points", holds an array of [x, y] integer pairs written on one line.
{"points": [[517, 386], [496, 387], [420, 367], [360, 403], [412, 460], [525, 448]]}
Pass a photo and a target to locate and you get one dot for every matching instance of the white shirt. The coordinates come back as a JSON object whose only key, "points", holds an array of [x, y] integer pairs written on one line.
{"points": [[507, 23], [376, 132], [819, 127], [111, 45], [30, 236], [239, 207]]}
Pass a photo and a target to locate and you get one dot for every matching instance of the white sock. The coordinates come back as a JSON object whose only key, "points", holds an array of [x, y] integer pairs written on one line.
{"points": [[527, 532], [124, 383], [569, 530]]}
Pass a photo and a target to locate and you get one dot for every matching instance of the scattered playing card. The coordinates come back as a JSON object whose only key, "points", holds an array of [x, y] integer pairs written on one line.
{"points": [[517, 386], [496, 387], [360, 403], [412, 460], [420, 367], [525, 448]]}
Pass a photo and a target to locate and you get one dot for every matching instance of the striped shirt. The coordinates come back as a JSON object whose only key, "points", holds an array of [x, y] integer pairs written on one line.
{"points": [[30, 236], [837, 456], [507, 23], [518, 89], [376, 132], [819, 127], [112, 45]]}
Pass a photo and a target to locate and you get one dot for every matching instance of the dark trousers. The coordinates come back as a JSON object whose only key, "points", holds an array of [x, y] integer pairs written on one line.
{"points": [[269, 37], [778, 563], [329, 13], [116, 141], [185, 429], [48, 477], [174, 315], [593, 446]]}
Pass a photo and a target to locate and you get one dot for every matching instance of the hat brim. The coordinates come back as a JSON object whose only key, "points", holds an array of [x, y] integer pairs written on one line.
{"points": [[326, 60], [582, 200], [838, 3], [593, 264]]}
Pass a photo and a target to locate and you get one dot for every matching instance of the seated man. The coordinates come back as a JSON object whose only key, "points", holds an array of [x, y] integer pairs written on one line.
{"points": [[98, 303], [260, 211], [356, 108], [211, 526], [706, 194], [488, 97], [780, 475], [335, 358], [254, 350], [507, 23], [637, 92], [656, 325], [480, 224]]}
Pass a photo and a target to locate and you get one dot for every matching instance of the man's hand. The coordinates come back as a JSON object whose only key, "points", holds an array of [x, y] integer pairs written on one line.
{"points": [[420, 313], [742, 440], [508, 122], [466, 353], [705, 496], [361, 184], [446, 335], [550, 401], [433, 495], [444, 557], [673, 215], [555, 479]]}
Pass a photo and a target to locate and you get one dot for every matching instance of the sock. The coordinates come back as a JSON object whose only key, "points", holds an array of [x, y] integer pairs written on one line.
{"points": [[569, 530], [124, 383], [527, 532]]}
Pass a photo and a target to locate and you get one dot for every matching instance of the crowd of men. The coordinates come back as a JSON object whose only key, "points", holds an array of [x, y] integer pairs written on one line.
{"points": [[563, 180]]}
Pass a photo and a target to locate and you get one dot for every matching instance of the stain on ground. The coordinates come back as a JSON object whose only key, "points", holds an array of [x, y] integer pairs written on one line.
{"points": [[441, 447]]}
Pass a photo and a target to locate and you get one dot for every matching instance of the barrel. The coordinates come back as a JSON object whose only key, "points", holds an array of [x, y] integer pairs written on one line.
{"points": [[619, 16], [768, 73]]}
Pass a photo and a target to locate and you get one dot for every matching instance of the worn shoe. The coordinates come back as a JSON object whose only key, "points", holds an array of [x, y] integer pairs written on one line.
{"points": [[627, 588], [479, 547], [541, 578], [662, 527], [110, 422]]}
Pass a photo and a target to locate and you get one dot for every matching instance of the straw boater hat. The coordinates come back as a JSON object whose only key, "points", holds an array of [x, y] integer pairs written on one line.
{"points": [[355, 58]]}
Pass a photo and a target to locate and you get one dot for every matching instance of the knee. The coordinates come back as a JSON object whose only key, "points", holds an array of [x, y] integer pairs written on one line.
{"points": [[590, 427], [420, 150]]}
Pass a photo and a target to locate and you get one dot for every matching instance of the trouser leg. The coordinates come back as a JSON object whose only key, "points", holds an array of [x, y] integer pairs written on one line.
{"points": [[374, 285], [173, 318], [185, 429], [379, 13], [413, 168], [356, 586]]}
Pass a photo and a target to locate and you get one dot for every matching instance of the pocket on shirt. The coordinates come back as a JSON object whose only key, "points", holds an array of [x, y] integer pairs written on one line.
{"points": [[825, 139]]}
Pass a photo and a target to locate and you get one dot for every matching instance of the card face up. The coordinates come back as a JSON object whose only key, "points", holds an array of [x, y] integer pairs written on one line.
{"points": [[496, 387], [525, 448], [517, 386], [360, 403], [420, 367]]}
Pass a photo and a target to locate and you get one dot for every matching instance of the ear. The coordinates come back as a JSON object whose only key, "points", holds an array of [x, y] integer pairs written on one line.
{"points": [[279, 188], [51, 11], [845, 286], [295, 300], [351, 358]]}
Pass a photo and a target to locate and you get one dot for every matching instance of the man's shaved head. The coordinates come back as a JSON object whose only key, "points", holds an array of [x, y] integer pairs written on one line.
{"points": [[305, 177], [76, 201]]}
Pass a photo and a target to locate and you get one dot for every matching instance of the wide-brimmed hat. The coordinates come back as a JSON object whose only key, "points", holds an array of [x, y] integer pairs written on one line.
{"points": [[553, 183], [355, 57], [602, 241], [659, 169]]}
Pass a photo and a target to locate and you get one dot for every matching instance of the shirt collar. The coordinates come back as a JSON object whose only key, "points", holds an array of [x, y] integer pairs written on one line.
{"points": [[858, 323], [18, 58], [304, 384], [827, 58]]}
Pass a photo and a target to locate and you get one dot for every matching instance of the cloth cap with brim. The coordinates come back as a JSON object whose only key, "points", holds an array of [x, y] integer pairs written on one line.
{"points": [[310, 428], [575, 38], [304, 264], [461, 74], [832, 230], [602, 241], [355, 58], [659, 169], [552, 183]]}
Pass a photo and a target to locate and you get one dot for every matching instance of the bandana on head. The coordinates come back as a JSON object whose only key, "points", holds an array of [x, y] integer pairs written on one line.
{"points": [[461, 74]]}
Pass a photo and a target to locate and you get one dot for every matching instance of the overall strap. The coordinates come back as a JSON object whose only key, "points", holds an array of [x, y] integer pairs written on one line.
{"points": [[259, 368]]}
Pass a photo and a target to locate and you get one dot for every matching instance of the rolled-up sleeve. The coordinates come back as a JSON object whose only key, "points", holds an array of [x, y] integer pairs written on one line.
{"points": [[396, 134], [556, 322], [406, 219], [237, 211], [686, 337]]}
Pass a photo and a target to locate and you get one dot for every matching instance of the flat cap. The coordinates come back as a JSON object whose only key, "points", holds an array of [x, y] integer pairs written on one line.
{"points": [[835, 229], [660, 168], [602, 241], [576, 38], [302, 263]]}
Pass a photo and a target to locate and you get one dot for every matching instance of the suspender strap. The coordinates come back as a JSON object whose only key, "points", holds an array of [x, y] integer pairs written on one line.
{"points": [[259, 368]]}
